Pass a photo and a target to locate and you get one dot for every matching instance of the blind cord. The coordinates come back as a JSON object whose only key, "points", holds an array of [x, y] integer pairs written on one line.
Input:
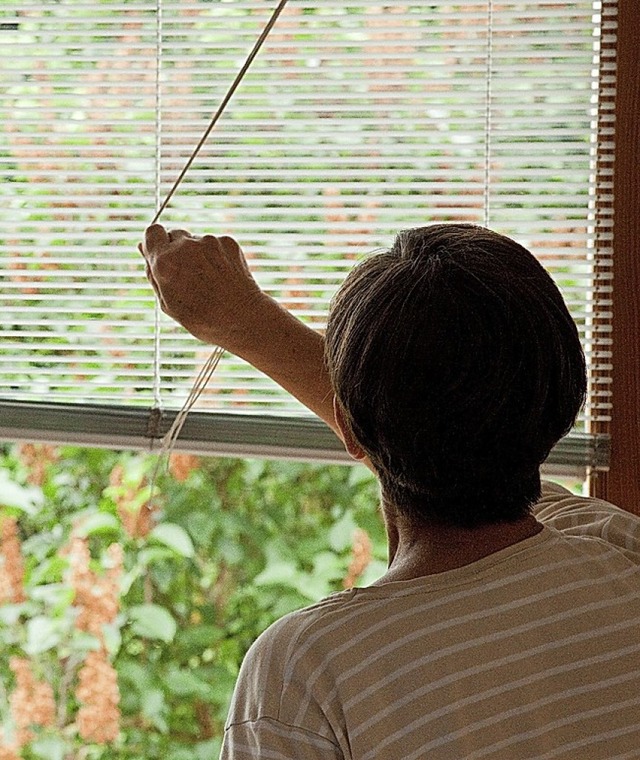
{"points": [[487, 115], [223, 105], [168, 441], [157, 375]]}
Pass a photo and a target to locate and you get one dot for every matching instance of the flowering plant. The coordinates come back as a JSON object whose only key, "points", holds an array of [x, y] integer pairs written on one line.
{"points": [[125, 613]]}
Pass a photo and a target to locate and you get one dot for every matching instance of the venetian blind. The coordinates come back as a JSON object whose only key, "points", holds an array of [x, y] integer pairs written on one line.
{"points": [[356, 120]]}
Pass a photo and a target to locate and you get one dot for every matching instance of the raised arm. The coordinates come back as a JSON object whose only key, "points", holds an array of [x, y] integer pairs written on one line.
{"points": [[204, 283]]}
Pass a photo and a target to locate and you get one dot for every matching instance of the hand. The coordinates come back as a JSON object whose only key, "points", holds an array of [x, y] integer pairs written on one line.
{"points": [[203, 283]]}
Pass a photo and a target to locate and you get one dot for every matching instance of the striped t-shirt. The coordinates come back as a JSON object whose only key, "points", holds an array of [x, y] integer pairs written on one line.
{"points": [[531, 652]]}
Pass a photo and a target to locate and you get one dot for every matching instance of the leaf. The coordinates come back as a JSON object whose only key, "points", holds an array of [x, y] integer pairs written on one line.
{"points": [[112, 638], [129, 578], [49, 748], [15, 496], [152, 622], [360, 474], [154, 708], [98, 522], [208, 749], [278, 572], [48, 571], [83, 642], [327, 566], [376, 569], [57, 595], [313, 587], [42, 634], [199, 637], [153, 554], [185, 683], [175, 537], [136, 675], [184, 753], [341, 534], [10, 613], [281, 572], [141, 497]]}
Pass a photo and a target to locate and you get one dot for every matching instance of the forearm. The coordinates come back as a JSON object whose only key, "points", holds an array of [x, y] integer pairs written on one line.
{"points": [[288, 351]]}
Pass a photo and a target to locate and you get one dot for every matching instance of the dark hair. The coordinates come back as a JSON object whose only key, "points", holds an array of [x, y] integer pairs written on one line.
{"points": [[458, 367]]}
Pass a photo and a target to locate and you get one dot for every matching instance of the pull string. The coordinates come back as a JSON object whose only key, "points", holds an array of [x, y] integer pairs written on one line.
{"points": [[168, 441], [487, 114], [157, 359], [225, 102], [201, 382]]}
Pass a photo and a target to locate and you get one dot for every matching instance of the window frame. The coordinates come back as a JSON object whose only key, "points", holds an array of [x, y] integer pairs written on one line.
{"points": [[620, 484]]}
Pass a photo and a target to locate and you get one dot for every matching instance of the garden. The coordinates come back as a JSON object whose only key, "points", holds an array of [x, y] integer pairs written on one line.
{"points": [[129, 598]]}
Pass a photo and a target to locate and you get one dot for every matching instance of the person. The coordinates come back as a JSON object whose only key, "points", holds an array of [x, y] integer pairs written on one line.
{"points": [[507, 623]]}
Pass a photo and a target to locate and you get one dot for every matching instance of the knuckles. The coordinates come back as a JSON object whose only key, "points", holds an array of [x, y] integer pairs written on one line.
{"points": [[228, 242], [164, 267]]}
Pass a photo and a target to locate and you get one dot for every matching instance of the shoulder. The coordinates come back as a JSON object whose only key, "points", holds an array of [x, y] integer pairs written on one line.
{"points": [[284, 694], [281, 639], [280, 660], [575, 515]]}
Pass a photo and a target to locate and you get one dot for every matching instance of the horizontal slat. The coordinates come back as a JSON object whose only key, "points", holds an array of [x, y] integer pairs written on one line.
{"points": [[84, 242], [373, 9], [60, 157]]}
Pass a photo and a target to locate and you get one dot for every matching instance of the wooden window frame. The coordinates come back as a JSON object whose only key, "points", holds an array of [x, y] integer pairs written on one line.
{"points": [[621, 484]]}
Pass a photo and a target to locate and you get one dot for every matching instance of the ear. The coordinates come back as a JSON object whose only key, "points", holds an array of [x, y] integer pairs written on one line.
{"points": [[352, 446]]}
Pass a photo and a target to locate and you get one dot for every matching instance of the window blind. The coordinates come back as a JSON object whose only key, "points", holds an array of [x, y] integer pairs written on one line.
{"points": [[356, 121]]}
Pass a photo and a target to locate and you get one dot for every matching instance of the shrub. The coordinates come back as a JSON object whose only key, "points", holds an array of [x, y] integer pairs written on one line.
{"points": [[125, 614]]}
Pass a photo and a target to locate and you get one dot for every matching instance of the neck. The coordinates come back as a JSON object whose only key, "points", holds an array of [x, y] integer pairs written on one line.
{"points": [[416, 551]]}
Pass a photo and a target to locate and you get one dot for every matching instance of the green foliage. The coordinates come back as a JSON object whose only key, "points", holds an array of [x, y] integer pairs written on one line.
{"points": [[232, 546]]}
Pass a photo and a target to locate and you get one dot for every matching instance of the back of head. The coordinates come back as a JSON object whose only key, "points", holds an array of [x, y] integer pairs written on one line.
{"points": [[458, 367]]}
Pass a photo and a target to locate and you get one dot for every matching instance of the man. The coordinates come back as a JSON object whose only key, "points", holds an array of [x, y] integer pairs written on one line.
{"points": [[507, 623]]}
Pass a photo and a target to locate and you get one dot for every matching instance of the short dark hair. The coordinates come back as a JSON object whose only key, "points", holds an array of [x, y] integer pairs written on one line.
{"points": [[458, 367]]}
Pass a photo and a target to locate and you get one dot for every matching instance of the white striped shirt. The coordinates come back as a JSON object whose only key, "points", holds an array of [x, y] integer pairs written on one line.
{"points": [[531, 652]]}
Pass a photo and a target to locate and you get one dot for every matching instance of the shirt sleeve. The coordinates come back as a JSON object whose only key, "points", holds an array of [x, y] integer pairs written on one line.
{"points": [[265, 720], [581, 516], [269, 739]]}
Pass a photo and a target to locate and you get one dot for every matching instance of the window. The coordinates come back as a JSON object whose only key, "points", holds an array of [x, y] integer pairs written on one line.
{"points": [[354, 122]]}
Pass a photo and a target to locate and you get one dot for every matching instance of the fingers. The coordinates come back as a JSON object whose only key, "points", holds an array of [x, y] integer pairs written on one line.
{"points": [[154, 285], [224, 254], [178, 234], [156, 244], [223, 244], [211, 241], [229, 244], [155, 237]]}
